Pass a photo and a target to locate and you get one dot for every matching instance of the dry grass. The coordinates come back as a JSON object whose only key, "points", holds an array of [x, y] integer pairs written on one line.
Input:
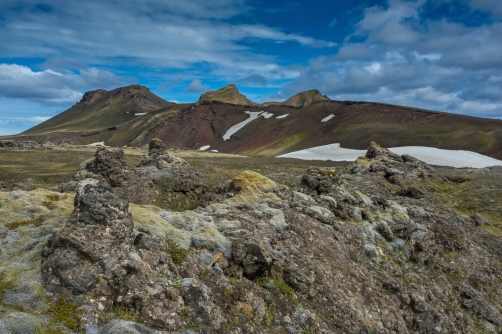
{"points": [[223, 168], [48, 167], [476, 193]]}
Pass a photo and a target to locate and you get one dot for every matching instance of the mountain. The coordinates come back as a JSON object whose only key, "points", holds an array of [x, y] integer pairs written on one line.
{"points": [[228, 94], [308, 119], [102, 109], [302, 99]]}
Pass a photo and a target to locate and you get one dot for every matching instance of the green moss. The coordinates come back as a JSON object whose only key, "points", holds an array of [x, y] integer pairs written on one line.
{"points": [[63, 313], [36, 221], [178, 255], [270, 315], [5, 286], [283, 286]]}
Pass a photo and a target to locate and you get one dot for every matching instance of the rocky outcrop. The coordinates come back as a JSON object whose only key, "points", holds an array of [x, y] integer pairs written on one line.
{"points": [[306, 98], [97, 259], [228, 94], [161, 178], [14, 145], [344, 253], [92, 96]]}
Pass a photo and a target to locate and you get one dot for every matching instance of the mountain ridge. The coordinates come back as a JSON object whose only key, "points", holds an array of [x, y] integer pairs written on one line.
{"points": [[280, 130]]}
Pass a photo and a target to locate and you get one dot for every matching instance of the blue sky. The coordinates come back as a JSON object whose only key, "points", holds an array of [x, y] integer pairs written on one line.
{"points": [[436, 54]]}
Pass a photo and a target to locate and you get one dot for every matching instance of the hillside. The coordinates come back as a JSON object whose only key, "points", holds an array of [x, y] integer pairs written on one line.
{"points": [[353, 125], [102, 109]]}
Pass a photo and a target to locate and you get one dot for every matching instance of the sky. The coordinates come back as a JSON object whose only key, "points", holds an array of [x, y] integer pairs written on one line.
{"points": [[443, 55]]}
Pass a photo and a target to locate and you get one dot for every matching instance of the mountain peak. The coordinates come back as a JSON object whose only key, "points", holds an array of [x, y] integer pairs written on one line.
{"points": [[227, 94], [91, 96], [306, 98]]}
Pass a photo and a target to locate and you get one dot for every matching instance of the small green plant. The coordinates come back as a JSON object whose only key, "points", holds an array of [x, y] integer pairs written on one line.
{"points": [[205, 274], [462, 273], [185, 315], [177, 283], [193, 325], [283, 286], [120, 312], [410, 279], [269, 315], [36, 221], [178, 254], [62, 312]]}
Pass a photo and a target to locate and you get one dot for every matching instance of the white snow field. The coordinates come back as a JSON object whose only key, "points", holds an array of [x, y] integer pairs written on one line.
{"points": [[325, 119], [267, 115], [140, 114], [282, 116], [252, 116], [430, 155], [203, 148], [215, 151], [101, 143]]}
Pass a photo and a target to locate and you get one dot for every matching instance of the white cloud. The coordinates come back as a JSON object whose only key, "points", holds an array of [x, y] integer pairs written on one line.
{"points": [[373, 68], [50, 87], [196, 86], [37, 119]]}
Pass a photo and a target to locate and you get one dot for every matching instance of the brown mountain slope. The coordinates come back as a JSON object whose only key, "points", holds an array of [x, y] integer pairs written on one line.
{"points": [[354, 125], [101, 109], [228, 94]]}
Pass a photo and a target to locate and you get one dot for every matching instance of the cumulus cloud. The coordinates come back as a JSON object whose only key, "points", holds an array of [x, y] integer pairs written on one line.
{"points": [[196, 86], [406, 58], [51, 87]]}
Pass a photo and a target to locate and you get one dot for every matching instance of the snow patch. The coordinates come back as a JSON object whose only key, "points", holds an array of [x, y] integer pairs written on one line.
{"points": [[203, 148], [325, 119], [101, 143], [267, 115], [215, 151], [252, 116], [430, 155], [282, 116], [326, 152], [140, 114], [436, 156]]}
